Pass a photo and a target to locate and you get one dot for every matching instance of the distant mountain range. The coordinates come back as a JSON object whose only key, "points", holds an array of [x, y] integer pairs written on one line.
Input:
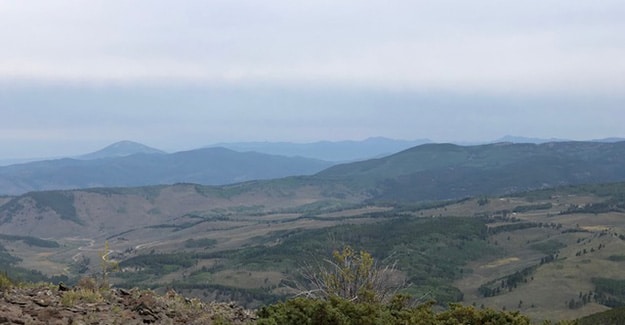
{"points": [[120, 166], [517, 139], [117, 149], [334, 151], [424, 172], [338, 151], [128, 163], [376, 147]]}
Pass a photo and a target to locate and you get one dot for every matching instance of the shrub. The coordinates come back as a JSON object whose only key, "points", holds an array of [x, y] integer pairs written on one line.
{"points": [[339, 311], [71, 298], [354, 276], [5, 281]]}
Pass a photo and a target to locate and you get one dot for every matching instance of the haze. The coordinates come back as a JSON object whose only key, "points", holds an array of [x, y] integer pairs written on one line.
{"points": [[76, 76]]}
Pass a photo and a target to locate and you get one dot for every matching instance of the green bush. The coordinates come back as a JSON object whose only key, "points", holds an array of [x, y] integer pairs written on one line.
{"points": [[339, 311]]}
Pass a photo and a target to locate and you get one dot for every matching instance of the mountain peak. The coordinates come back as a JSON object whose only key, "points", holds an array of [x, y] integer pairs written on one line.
{"points": [[121, 149]]}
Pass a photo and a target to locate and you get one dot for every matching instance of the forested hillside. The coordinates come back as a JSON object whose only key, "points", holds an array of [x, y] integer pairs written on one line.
{"points": [[447, 171]]}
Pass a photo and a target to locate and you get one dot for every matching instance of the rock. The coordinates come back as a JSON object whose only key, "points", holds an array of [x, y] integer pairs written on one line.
{"points": [[41, 302], [63, 287], [42, 305]]}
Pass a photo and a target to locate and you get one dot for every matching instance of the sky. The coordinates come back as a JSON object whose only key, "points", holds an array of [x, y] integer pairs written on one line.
{"points": [[76, 76]]}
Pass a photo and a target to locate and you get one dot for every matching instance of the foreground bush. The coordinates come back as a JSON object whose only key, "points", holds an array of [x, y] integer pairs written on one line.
{"points": [[339, 311], [353, 289], [354, 276]]}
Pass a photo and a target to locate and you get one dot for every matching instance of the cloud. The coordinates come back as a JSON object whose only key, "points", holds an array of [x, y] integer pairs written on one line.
{"points": [[484, 45]]}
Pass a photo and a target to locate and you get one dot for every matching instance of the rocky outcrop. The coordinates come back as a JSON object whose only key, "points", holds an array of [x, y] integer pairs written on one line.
{"points": [[44, 304]]}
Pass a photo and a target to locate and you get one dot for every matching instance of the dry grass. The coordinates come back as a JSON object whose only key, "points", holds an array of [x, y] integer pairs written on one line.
{"points": [[71, 298], [553, 284], [501, 262]]}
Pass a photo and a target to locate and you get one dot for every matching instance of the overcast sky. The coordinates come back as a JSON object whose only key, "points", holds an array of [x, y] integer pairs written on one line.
{"points": [[78, 75]]}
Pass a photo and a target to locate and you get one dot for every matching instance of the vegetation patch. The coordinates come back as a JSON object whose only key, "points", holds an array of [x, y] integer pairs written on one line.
{"points": [[613, 316], [246, 296], [10, 271], [159, 264], [612, 191], [430, 251], [548, 247], [325, 206], [31, 241], [507, 283], [200, 243], [7, 259], [344, 312], [177, 226], [10, 208], [617, 258], [61, 202], [80, 295], [512, 227], [532, 207], [610, 292], [422, 205], [224, 192], [5, 281], [596, 208]]}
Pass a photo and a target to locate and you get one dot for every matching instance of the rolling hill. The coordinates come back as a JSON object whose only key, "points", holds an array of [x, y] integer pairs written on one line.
{"points": [[210, 166], [447, 171]]}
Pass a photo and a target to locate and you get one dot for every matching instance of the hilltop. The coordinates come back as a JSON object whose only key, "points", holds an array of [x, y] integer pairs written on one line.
{"points": [[448, 171], [122, 149]]}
